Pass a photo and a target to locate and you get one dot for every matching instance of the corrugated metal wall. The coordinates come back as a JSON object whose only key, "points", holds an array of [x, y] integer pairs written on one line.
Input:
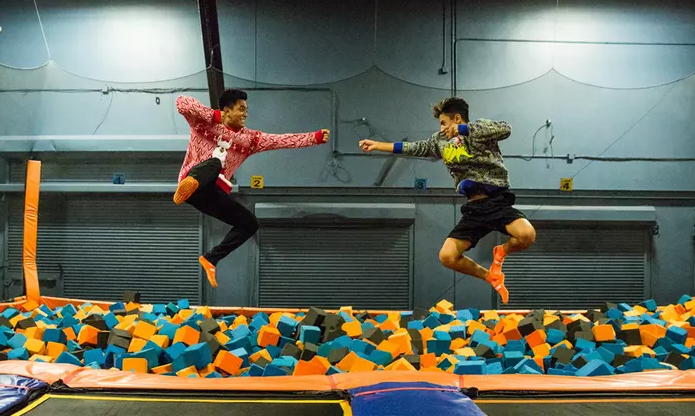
{"points": [[101, 245], [332, 266]]}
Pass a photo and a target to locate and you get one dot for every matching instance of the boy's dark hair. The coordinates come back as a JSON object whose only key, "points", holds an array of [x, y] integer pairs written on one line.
{"points": [[451, 106], [230, 97]]}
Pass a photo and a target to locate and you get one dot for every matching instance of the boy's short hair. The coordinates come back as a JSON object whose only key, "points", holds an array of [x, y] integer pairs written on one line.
{"points": [[230, 97], [451, 106]]}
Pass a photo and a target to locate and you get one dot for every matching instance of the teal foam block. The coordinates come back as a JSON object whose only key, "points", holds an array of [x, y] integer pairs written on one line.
{"points": [[469, 367], [95, 356], [554, 336], [17, 341], [494, 368], [173, 352], [379, 357], [214, 374], [478, 337], [512, 358], [66, 358], [458, 331], [310, 334], [595, 368], [677, 334], [273, 371], [333, 370], [287, 326]]}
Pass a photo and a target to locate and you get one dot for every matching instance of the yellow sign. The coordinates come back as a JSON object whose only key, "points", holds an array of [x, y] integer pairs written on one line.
{"points": [[566, 184], [257, 181]]}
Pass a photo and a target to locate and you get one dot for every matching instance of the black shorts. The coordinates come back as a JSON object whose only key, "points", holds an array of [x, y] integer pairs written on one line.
{"points": [[483, 216]]}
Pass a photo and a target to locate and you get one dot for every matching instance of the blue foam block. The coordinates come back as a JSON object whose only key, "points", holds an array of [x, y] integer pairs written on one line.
{"points": [[110, 353], [150, 354], [344, 341], [285, 361], [18, 354], [95, 356], [379, 357], [310, 334], [65, 358], [529, 363], [346, 316], [438, 347], [445, 364], [241, 331], [584, 345], [110, 320], [650, 305], [458, 331], [446, 318], [17, 341], [469, 367], [362, 347], [114, 307], [494, 368], [243, 354], [287, 326], [214, 374], [464, 315], [510, 370], [527, 369], [681, 349], [512, 358], [10, 313], [184, 360], [325, 349], [366, 326], [687, 364], [595, 368], [256, 370], [174, 350], [70, 321], [333, 370], [516, 345], [273, 371], [665, 342], [381, 318], [677, 334], [558, 372], [285, 340], [606, 355], [243, 342], [50, 335], [442, 336], [273, 351], [614, 313], [172, 309], [685, 298], [183, 304], [431, 322], [93, 365], [554, 336], [478, 337], [614, 348]]}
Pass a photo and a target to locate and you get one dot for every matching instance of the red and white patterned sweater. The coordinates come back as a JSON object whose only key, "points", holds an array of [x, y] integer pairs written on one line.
{"points": [[207, 128]]}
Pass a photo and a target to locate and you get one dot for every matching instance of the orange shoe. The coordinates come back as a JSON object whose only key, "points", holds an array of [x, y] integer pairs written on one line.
{"points": [[209, 270], [185, 189], [498, 255], [497, 282]]}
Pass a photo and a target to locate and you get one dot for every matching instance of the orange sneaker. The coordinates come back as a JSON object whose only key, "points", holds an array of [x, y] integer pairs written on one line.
{"points": [[498, 255], [185, 189], [209, 270], [497, 282]]}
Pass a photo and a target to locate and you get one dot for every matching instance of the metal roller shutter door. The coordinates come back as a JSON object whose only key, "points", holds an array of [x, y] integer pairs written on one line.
{"points": [[578, 266], [367, 267], [104, 244]]}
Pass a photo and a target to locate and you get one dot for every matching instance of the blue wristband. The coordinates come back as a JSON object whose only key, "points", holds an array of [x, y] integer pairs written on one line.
{"points": [[463, 129], [398, 147]]}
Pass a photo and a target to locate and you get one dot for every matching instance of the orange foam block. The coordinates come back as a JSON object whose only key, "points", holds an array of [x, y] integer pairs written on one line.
{"points": [[353, 329], [346, 363], [34, 332], [144, 330], [54, 349], [361, 365], [188, 371], [206, 371], [402, 342], [321, 362], [268, 336], [35, 346], [536, 338], [388, 325], [472, 326], [389, 347], [186, 335], [70, 334], [163, 369], [138, 365], [603, 333], [228, 362], [29, 305], [88, 335], [161, 340], [222, 338], [512, 334], [261, 354], [44, 358], [541, 350], [136, 345], [429, 360], [401, 365], [444, 306], [307, 368]]}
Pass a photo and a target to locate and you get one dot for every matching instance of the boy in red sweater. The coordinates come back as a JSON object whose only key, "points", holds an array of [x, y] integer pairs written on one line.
{"points": [[219, 143]]}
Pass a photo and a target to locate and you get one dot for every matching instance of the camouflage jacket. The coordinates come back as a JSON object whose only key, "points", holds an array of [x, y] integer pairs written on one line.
{"points": [[474, 156]]}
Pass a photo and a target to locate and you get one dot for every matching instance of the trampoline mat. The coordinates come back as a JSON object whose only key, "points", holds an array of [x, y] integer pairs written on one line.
{"points": [[52, 404], [589, 407]]}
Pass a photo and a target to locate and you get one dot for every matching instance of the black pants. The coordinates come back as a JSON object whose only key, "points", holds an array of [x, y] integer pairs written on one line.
{"points": [[213, 201]]}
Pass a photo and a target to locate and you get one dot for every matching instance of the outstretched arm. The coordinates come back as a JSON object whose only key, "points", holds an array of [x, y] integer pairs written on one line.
{"points": [[423, 148], [481, 130], [194, 111], [266, 141]]}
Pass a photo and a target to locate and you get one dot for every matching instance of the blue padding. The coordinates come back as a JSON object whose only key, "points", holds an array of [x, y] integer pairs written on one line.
{"points": [[14, 389], [413, 399]]}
